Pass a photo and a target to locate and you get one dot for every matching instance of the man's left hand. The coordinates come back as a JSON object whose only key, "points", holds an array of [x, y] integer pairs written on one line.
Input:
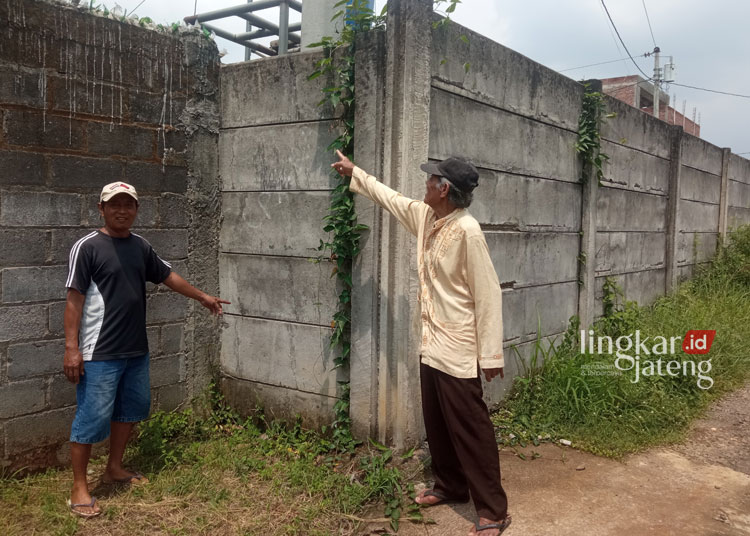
{"points": [[344, 166], [490, 373]]}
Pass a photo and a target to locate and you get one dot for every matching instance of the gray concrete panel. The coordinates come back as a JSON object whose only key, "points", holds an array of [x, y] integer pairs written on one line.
{"points": [[294, 356], [519, 360], [548, 306], [280, 288], [526, 203], [700, 154], [642, 287], [738, 216], [633, 128], [739, 169], [502, 77], [695, 216], [284, 223], [696, 185], [685, 272], [281, 92], [534, 258], [634, 170], [278, 157], [278, 402], [693, 248], [627, 252], [499, 140], [623, 210], [739, 194]]}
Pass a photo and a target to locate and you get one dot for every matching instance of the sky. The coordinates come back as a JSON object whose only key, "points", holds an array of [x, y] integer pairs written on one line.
{"points": [[708, 40]]}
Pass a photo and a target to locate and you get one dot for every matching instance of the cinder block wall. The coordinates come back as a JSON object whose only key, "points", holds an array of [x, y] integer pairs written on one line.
{"points": [[86, 101], [276, 191]]}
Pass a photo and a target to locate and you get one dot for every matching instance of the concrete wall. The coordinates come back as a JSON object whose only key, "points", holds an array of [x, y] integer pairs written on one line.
{"points": [[86, 101], [517, 121], [657, 213], [654, 217], [276, 187]]}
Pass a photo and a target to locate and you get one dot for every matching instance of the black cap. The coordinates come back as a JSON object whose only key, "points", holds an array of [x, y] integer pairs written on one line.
{"points": [[462, 173]]}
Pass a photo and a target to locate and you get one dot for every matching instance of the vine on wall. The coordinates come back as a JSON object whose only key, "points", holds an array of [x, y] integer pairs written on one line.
{"points": [[338, 64], [343, 244], [588, 144]]}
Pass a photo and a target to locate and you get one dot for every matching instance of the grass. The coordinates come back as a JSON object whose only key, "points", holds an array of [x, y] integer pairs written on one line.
{"points": [[609, 414], [218, 475]]}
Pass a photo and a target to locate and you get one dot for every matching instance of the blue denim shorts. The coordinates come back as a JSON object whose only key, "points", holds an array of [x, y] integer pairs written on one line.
{"points": [[117, 390]]}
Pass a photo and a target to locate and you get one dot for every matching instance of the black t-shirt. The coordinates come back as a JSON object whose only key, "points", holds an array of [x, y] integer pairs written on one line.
{"points": [[112, 274]]}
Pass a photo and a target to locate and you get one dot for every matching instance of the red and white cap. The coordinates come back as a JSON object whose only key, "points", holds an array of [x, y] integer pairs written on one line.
{"points": [[111, 190]]}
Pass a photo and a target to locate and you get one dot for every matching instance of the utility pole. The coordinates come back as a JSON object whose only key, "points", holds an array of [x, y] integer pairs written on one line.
{"points": [[657, 81]]}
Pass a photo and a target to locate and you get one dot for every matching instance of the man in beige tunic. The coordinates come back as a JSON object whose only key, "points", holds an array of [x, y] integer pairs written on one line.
{"points": [[462, 332]]}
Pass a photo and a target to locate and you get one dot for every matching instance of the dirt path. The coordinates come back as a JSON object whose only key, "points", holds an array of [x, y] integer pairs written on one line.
{"points": [[698, 488]]}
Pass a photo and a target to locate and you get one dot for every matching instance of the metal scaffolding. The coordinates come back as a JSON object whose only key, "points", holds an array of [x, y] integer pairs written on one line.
{"points": [[284, 30]]}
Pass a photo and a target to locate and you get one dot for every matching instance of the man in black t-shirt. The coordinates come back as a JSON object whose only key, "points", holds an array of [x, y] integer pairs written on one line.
{"points": [[106, 349]]}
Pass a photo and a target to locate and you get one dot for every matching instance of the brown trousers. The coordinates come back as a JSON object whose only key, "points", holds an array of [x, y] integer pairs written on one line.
{"points": [[462, 441]]}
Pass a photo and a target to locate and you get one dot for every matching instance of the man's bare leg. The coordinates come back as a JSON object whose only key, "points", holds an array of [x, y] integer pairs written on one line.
{"points": [[118, 440], [80, 454]]}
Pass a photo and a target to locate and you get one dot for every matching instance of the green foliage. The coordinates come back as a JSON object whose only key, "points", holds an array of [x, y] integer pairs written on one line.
{"points": [[620, 316], [162, 436], [593, 113], [564, 393]]}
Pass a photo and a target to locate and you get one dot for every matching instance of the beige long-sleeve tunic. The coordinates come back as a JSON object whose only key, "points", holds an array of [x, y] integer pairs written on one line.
{"points": [[460, 295]]}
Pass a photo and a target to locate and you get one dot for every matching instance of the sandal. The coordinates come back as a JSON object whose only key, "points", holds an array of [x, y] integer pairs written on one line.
{"points": [[75, 509], [500, 526]]}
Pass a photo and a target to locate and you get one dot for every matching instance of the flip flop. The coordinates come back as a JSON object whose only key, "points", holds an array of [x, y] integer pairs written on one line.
{"points": [[500, 526], [444, 499], [86, 515]]}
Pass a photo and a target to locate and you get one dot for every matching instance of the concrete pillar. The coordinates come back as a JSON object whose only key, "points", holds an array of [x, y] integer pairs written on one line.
{"points": [[673, 207], [368, 154], [388, 288], [587, 254], [316, 20], [726, 153], [587, 258], [204, 196]]}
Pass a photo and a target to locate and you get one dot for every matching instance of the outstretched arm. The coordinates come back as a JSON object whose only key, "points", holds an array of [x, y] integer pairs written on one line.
{"points": [[178, 284], [409, 212]]}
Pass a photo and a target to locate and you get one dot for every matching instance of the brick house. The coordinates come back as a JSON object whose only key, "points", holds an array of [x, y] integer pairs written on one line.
{"points": [[639, 93]]}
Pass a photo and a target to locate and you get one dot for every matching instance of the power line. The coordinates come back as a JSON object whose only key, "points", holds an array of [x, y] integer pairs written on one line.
{"points": [[623, 42], [649, 23], [712, 90], [602, 63], [614, 40]]}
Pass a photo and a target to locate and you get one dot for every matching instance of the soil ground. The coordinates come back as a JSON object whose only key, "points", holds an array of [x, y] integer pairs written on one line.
{"points": [[700, 487]]}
